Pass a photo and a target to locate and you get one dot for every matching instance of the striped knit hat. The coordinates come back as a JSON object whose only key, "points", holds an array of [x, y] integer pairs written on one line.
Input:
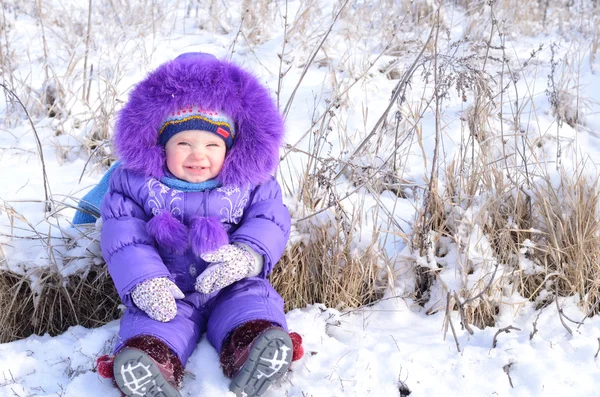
{"points": [[194, 118]]}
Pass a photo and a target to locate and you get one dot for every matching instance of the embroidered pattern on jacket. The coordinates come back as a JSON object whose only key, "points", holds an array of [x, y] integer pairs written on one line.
{"points": [[234, 208], [162, 197]]}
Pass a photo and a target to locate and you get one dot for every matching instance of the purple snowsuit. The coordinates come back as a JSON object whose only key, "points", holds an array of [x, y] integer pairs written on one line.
{"points": [[246, 203]]}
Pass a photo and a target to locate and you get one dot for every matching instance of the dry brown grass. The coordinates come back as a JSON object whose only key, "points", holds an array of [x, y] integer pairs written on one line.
{"points": [[324, 267], [60, 302], [566, 249], [46, 299], [545, 237], [327, 270]]}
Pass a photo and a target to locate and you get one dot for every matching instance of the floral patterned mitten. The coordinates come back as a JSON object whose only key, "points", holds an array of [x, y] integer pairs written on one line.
{"points": [[156, 297], [228, 264]]}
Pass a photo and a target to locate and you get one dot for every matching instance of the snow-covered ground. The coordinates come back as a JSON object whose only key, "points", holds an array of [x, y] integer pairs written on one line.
{"points": [[376, 351], [386, 349]]}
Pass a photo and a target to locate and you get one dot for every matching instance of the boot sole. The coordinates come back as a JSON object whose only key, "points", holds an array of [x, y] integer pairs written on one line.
{"points": [[269, 359], [136, 374]]}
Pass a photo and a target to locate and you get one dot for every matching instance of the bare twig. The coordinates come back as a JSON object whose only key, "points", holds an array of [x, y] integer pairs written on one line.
{"points": [[505, 329], [88, 160], [44, 45], [597, 351], [285, 32], [480, 294], [569, 319], [506, 369], [89, 87], [463, 317], [311, 59], [438, 116], [237, 35], [39, 145], [460, 304], [535, 330], [360, 186], [589, 313], [560, 315], [400, 88], [424, 240], [333, 103], [87, 49], [449, 321]]}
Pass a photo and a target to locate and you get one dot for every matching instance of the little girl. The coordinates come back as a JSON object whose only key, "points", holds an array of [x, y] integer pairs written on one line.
{"points": [[193, 222]]}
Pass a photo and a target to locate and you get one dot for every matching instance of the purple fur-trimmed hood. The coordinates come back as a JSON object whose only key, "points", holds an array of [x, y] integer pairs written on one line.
{"points": [[203, 80]]}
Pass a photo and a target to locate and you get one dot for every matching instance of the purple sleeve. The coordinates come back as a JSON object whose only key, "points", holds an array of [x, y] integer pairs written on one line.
{"points": [[266, 224], [127, 247]]}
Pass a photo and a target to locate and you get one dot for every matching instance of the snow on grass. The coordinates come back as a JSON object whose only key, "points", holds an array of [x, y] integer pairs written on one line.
{"points": [[372, 351], [367, 352]]}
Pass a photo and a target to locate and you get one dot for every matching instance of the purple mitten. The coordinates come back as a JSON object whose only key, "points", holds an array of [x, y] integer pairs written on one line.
{"points": [[228, 264], [156, 297]]}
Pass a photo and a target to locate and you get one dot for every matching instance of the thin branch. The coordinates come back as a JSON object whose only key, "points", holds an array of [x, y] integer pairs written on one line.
{"points": [[568, 318], [366, 179], [311, 59], [535, 330], [506, 369], [480, 294], [87, 49], [333, 103], [560, 315], [38, 142], [400, 88], [588, 314], [449, 321], [235, 39], [505, 329], [438, 104], [89, 87], [463, 317], [423, 233], [44, 44], [360, 186], [88, 160], [285, 33]]}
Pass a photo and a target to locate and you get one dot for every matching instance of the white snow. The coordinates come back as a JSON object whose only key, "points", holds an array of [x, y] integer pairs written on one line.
{"points": [[366, 352], [373, 351]]}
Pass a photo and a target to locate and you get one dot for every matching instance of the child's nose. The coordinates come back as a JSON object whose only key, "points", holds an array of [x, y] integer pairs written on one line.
{"points": [[198, 153]]}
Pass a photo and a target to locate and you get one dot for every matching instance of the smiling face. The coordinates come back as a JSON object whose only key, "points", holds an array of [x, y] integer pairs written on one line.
{"points": [[195, 156]]}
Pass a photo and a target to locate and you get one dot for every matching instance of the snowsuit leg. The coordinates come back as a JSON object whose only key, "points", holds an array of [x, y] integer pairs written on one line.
{"points": [[181, 334], [248, 299]]}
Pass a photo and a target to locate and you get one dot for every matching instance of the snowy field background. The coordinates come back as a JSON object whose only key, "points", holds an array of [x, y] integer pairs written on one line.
{"points": [[388, 348]]}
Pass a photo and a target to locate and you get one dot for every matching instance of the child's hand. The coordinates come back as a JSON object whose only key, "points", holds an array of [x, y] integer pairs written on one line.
{"points": [[229, 264], [156, 297]]}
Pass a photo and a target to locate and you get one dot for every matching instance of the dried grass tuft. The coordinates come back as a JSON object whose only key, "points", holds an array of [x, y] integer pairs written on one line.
{"points": [[72, 288], [327, 270], [543, 237], [566, 251], [89, 301]]}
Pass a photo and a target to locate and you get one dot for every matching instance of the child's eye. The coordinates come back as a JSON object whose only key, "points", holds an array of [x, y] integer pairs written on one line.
{"points": [[183, 143]]}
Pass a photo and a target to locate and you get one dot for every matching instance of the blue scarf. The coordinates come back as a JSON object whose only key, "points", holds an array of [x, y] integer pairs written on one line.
{"points": [[90, 203], [175, 183]]}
